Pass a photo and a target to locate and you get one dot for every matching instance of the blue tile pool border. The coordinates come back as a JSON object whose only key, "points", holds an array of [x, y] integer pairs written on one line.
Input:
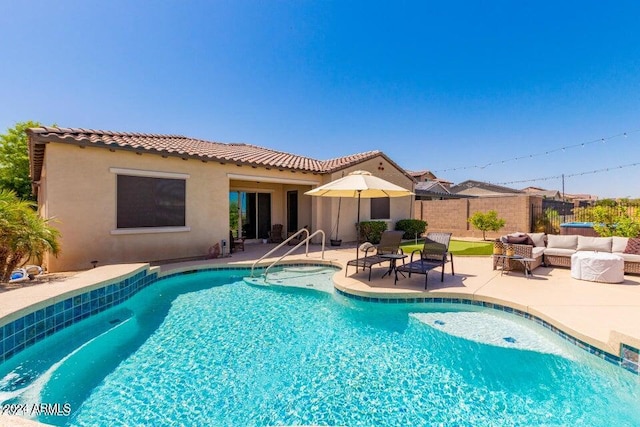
{"points": [[629, 358], [25, 331], [33, 327]]}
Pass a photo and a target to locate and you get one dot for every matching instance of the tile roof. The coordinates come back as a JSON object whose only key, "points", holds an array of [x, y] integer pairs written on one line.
{"points": [[182, 146], [338, 163], [483, 185], [431, 187], [420, 173]]}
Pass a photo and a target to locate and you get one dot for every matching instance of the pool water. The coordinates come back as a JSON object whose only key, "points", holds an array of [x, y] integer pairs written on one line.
{"points": [[211, 349]]}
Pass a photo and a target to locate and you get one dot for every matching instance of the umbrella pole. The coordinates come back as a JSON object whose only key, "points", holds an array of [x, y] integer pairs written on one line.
{"points": [[358, 231], [338, 218]]}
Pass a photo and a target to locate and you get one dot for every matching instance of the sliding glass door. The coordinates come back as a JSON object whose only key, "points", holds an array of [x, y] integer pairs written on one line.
{"points": [[251, 213]]}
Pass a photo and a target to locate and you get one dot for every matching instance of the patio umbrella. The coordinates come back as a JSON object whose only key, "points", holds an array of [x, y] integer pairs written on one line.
{"points": [[360, 184]]}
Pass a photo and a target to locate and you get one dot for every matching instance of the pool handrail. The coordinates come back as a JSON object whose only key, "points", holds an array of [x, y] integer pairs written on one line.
{"points": [[293, 236]]}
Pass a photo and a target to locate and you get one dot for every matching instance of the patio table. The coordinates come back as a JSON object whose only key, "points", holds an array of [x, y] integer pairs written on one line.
{"points": [[526, 263]]}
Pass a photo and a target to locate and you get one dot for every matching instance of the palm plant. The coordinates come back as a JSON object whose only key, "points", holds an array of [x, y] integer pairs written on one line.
{"points": [[24, 234]]}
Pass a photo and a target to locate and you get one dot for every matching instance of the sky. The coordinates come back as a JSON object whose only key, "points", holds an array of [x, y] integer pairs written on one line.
{"points": [[484, 90]]}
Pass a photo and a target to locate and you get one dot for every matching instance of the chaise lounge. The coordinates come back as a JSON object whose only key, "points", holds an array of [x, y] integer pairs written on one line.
{"points": [[435, 253], [389, 244]]}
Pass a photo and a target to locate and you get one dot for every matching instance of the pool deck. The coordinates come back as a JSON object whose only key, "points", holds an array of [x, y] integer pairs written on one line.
{"points": [[602, 315]]}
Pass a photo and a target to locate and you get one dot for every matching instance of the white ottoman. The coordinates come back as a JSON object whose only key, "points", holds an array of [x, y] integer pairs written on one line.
{"points": [[597, 267]]}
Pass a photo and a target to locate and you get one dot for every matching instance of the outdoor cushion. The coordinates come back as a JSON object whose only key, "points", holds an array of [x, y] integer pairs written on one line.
{"points": [[600, 244], [521, 240], [629, 257], [537, 252], [619, 244], [633, 246], [538, 239], [562, 242], [559, 251]]}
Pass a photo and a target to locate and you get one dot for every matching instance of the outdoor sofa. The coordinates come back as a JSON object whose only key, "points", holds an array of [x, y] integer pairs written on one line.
{"points": [[560, 248], [526, 245], [555, 250]]}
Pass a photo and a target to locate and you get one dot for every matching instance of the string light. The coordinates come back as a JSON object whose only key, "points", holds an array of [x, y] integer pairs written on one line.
{"points": [[547, 178], [563, 149]]}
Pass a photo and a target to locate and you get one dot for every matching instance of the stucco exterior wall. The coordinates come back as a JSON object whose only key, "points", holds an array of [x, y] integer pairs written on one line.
{"points": [[78, 189]]}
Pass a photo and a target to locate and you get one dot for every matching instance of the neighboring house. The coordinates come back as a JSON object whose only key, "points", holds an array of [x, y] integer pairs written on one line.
{"points": [[479, 189], [427, 176], [433, 190], [545, 194], [132, 197], [422, 176], [581, 199]]}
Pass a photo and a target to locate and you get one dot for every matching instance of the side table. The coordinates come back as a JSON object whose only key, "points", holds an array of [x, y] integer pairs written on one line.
{"points": [[393, 259], [526, 263]]}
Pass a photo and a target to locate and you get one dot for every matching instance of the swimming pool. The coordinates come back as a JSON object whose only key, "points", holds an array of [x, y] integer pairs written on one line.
{"points": [[210, 349]]}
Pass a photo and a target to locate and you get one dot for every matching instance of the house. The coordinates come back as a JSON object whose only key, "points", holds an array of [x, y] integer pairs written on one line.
{"points": [[422, 176], [428, 176], [479, 188], [134, 197], [545, 194], [433, 190], [581, 199]]}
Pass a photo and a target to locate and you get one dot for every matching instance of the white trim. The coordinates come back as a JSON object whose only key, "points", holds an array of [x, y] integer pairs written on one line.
{"points": [[150, 230], [257, 178], [152, 174]]}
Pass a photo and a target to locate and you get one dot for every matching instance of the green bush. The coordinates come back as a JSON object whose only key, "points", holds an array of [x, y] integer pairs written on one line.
{"points": [[411, 227], [371, 231], [617, 221], [548, 223]]}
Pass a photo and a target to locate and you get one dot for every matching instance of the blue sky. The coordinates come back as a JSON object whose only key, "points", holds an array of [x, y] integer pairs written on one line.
{"points": [[435, 85]]}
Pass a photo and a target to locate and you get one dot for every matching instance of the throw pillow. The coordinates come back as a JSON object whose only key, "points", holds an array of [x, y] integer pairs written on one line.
{"points": [[619, 244], [521, 240], [633, 246]]}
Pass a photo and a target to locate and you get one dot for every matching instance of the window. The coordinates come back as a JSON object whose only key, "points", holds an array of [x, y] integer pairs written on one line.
{"points": [[144, 201], [380, 208]]}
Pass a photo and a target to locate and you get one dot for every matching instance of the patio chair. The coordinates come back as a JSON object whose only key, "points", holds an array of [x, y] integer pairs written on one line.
{"points": [[235, 243], [389, 244], [435, 253], [275, 235]]}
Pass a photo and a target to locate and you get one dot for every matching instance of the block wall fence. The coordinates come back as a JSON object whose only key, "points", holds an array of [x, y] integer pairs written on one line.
{"points": [[452, 215]]}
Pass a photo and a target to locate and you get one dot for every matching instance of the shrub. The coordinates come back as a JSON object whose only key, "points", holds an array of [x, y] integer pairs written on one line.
{"points": [[618, 221], [23, 234], [549, 222], [371, 231], [486, 222], [412, 227]]}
